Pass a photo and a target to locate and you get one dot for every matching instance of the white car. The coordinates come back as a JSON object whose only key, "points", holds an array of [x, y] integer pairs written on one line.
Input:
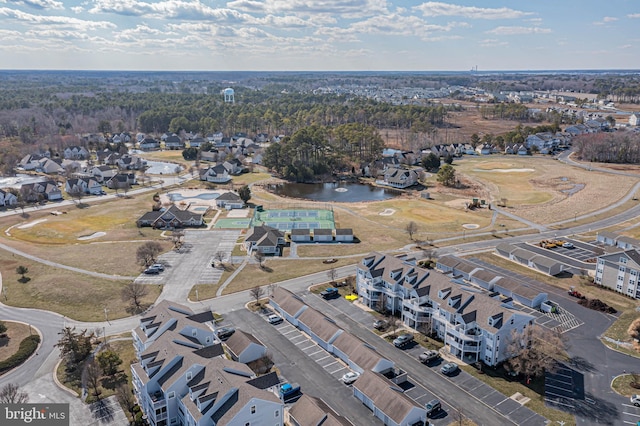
{"points": [[350, 377], [635, 400], [568, 245], [275, 319]]}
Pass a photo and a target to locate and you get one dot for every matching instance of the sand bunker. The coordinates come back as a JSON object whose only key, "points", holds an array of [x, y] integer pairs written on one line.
{"points": [[505, 170], [30, 224], [387, 212], [94, 235], [471, 226], [238, 213]]}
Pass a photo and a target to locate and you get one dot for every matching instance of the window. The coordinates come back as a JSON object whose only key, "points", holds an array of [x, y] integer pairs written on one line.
{"points": [[172, 395], [208, 339], [194, 332], [174, 420], [189, 375], [277, 413], [623, 260], [633, 272], [253, 409]]}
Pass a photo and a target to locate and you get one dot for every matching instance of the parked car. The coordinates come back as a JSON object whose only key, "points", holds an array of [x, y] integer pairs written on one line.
{"points": [[158, 266], [350, 377], [428, 356], [449, 368], [225, 332], [635, 400], [275, 319], [152, 271], [380, 324], [329, 293], [433, 407], [402, 340], [567, 245]]}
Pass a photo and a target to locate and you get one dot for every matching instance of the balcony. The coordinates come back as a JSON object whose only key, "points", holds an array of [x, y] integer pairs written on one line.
{"points": [[157, 400]]}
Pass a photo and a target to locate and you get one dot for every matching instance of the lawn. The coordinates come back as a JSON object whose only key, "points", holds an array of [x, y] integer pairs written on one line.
{"points": [[622, 385], [72, 294], [16, 333], [276, 270]]}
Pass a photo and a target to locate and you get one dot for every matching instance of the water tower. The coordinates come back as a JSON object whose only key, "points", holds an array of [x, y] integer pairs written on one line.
{"points": [[228, 95]]}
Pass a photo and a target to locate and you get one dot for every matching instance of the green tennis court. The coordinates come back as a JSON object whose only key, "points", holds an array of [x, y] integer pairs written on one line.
{"points": [[284, 219], [233, 223]]}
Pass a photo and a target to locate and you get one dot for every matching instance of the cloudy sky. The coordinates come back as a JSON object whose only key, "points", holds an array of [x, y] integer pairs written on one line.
{"points": [[319, 34]]}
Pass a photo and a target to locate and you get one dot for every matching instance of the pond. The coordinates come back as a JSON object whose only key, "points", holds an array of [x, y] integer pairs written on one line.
{"points": [[341, 192], [162, 168]]}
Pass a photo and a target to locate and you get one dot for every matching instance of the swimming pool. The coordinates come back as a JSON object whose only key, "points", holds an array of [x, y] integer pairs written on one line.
{"points": [[176, 196]]}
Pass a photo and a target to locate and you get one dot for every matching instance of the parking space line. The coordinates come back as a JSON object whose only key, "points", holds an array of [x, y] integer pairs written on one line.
{"points": [[631, 414], [316, 352], [289, 332], [558, 402], [335, 371], [304, 349], [630, 423], [629, 405], [567, 388], [325, 366], [301, 342]]}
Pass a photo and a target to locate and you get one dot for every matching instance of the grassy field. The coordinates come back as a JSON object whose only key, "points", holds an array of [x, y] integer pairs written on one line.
{"points": [[622, 385], [78, 296], [16, 333], [276, 270]]}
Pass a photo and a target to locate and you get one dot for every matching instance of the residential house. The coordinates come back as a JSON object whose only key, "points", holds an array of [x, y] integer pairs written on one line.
{"points": [[197, 142], [634, 119], [47, 190], [50, 167], [149, 144], [265, 239], [522, 150], [399, 178], [619, 272], [122, 181], [211, 155], [130, 162], [387, 401], [7, 198], [76, 153], [245, 347], [230, 200], [216, 174], [103, 173], [470, 324], [86, 185], [607, 238], [484, 149], [233, 166], [170, 218], [309, 410], [181, 377]]}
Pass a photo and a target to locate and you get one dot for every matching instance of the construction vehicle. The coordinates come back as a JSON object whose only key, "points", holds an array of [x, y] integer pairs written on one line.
{"points": [[575, 293]]}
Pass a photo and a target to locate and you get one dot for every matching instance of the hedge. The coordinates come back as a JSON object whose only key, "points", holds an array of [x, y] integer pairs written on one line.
{"points": [[27, 347]]}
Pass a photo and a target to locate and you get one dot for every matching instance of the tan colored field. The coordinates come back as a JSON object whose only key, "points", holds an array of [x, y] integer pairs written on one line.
{"points": [[538, 195]]}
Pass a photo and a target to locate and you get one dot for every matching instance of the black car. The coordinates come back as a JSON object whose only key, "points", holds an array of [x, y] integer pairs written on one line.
{"points": [[380, 324], [403, 340], [329, 293], [225, 332], [432, 407], [152, 271]]}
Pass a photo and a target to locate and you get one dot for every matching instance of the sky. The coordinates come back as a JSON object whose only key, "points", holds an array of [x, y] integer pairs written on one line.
{"points": [[319, 35]]}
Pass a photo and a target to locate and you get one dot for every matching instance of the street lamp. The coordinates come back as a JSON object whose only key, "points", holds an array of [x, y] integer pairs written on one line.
{"points": [[106, 317], [575, 216]]}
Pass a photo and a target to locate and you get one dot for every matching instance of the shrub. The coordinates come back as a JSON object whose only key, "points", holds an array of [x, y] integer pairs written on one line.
{"points": [[27, 347]]}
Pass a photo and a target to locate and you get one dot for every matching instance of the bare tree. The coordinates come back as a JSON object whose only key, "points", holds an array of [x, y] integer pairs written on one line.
{"points": [[91, 377], [394, 324], [260, 258], [634, 333], [126, 399], [134, 293], [220, 256], [332, 274], [177, 237], [534, 351], [77, 194], [256, 293], [411, 229], [272, 288], [11, 394], [147, 253]]}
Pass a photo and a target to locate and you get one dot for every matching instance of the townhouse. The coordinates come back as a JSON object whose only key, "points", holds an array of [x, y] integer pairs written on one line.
{"points": [[182, 378], [471, 324]]}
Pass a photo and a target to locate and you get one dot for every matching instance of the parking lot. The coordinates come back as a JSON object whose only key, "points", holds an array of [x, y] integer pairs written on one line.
{"points": [[630, 413]]}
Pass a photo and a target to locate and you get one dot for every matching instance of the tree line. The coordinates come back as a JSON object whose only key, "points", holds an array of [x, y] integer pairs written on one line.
{"points": [[608, 147]]}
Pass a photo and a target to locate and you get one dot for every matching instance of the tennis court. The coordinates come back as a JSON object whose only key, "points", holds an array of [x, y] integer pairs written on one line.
{"points": [[237, 223], [294, 219]]}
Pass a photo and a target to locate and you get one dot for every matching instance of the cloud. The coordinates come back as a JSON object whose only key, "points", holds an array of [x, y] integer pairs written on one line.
{"points": [[40, 4], [344, 8], [518, 30], [633, 15], [188, 10], [492, 42], [606, 20], [58, 21], [433, 8]]}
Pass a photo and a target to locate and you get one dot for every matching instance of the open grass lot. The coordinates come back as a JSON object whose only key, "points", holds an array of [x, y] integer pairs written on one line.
{"points": [[538, 195], [622, 385], [55, 238], [172, 156], [276, 270], [78, 296], [534, 391], [204, 291]]}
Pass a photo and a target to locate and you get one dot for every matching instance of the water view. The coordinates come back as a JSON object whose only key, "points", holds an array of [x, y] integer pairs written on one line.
{"points": [[340, 192]]}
